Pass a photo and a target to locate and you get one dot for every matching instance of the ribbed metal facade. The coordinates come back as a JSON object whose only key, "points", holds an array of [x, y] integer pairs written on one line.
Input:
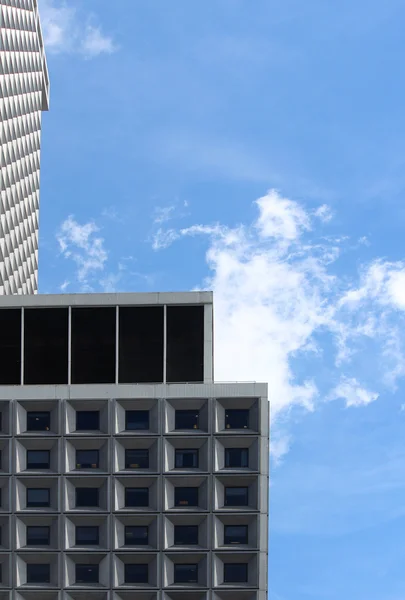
{"points": [[24, 94]]}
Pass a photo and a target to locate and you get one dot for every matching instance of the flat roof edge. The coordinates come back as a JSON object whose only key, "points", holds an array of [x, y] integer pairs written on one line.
{"points": [[107, 299]]}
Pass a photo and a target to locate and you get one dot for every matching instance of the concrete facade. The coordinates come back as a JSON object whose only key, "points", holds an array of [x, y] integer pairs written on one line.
{"points": [[163, 518], [24, 94]]}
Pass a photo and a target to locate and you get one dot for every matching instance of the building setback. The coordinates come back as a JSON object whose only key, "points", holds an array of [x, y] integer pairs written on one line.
{"points": [[24, 94], [126, 472]]}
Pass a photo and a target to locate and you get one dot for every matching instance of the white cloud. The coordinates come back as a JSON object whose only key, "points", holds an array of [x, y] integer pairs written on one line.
{"points": [[352, 392], [324, 213], [278, 299], [66, 31], [79, 242]]}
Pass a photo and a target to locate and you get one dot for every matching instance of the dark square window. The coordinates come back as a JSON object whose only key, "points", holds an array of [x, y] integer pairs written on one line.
{"points": [[38, 573], [187, 419], [136, 573], [186, 496], [236, 496], [86, 497], [186, 458], [38, 497], [87, 420], [38, 421], [235, 534], [136, 535], [235, 573], [87, 459], [87, 536], [186, 535], [236, 458], [38, 459], [185, 573], [136, 459], [137, 420], [38, 536], [86, 573], [137, 497], [237, 418]]}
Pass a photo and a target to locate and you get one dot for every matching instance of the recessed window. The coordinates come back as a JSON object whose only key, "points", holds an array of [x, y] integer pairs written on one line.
{"points": [[136, 459], [186, 535], [87, 459], [136, 497], [187, 419], [185, 573], [38, 573], [136, 573], [136, 420], [87, 536], [235, 534], [38, 536], [235, 573], [236, 458], [186, 459], [38, 459], [1, 424], [136, 535], [186, 496], [236, 496], [86, 573], [38, 421], [237, 418], [38, 497], [87, 420], [86, 497]]}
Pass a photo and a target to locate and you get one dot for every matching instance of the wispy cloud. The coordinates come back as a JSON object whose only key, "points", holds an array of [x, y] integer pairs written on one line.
{"points": [[352, 392], [278, 297], [82, 244], [67, 31]]}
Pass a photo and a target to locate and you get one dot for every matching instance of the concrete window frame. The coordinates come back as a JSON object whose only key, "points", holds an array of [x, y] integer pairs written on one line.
{"points": [[219, 559], [23, 559], [249, 481], [5, 456], [201, 405], [87, 443], [5, 560], [202, 444], [22, 407], [202, 521], [87, 595], [185, 595], [121, 559], [5, 491], [141, 481], [200, 482], [122, 521], [5, 533], [150, 404], [23, 521], [22, 445], [73, 521], [74, 406], [221, 444], [122, 595], [138, 443], [171, 559], [237, 595], [31, 595], [5, 410], [24, 483], [250, 520], [79, 558], [222, 404], [71, 485]]}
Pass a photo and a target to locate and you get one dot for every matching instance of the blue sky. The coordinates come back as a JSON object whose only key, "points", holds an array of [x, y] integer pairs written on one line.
{"points": [[257, 149]]}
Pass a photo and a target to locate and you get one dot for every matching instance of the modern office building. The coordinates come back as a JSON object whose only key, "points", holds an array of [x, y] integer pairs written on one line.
{"points": [[24, 94], [126, 472]]}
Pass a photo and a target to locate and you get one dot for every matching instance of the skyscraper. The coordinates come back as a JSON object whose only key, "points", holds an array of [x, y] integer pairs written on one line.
{"points": [[126, 472], [24, 94]]}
